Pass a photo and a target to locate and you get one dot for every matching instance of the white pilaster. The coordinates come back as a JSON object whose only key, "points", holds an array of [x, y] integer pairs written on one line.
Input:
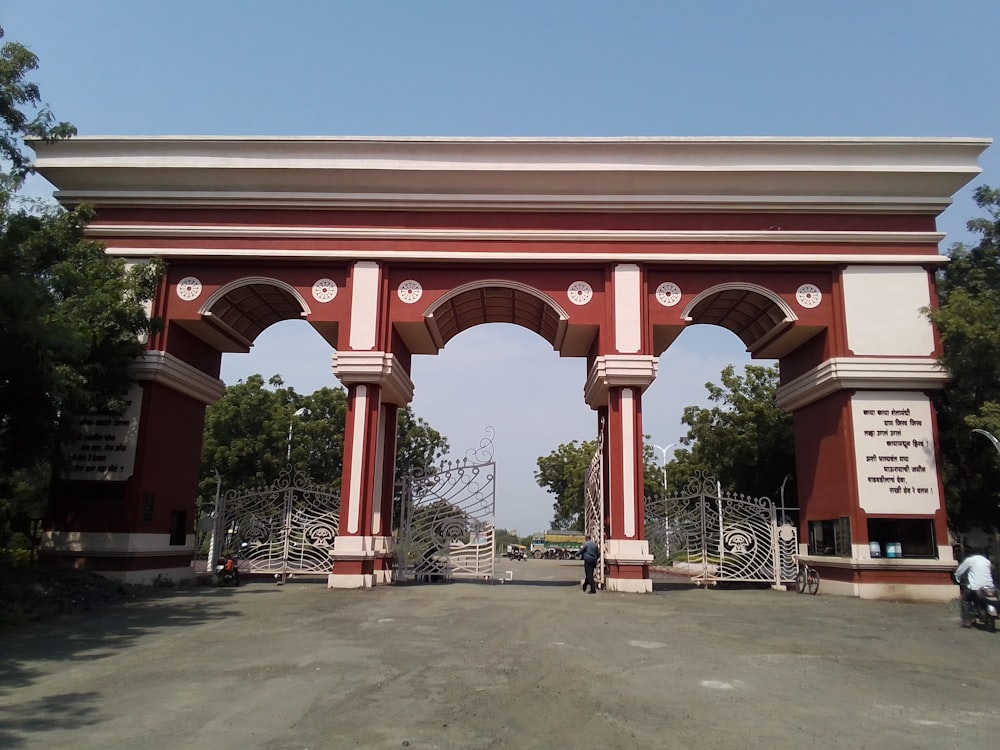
{"points": [[627, 279], [364, 304], [357, 458]]}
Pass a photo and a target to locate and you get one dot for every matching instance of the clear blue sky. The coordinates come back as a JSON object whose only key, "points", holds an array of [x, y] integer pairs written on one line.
{"points": [[519, 68]]}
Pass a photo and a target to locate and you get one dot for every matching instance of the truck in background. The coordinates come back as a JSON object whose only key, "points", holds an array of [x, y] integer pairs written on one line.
{"points": [[557, 545]]}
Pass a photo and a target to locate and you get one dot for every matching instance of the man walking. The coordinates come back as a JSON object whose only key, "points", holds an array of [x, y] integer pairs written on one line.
{"points": [[591, 554]]}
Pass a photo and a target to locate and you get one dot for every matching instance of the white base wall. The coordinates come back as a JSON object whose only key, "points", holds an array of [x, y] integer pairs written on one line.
{"points": [[94, 543], [906, 592], [629, 585], [356, 581]]}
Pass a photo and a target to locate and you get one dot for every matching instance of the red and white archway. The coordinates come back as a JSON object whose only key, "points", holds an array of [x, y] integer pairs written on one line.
{"points": [[819, 252]]}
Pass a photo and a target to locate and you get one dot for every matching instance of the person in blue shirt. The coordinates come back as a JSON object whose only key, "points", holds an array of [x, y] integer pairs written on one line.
{"points": [[975, 573], [590, 554]]}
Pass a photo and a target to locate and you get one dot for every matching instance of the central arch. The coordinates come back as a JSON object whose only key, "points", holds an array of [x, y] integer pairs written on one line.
{"points": [[496, 301]]}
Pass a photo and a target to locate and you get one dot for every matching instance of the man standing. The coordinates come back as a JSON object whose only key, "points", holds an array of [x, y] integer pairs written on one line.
{"points": [[977, 571], [591, 554]]}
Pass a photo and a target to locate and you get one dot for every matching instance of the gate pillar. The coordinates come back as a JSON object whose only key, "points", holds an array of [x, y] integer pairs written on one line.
{"points": [[126, 505], [614, 388], [376, 385], [873, 520]]}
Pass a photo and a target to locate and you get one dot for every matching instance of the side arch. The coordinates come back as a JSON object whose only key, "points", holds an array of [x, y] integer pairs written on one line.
{"points": [[241, 309], [761, 319], [496, 301]]}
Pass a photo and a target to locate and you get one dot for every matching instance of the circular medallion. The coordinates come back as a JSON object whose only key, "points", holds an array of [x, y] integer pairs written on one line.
{"points": [[410, 291], [580, 293], [189, 288], [324, 290], [808, 295], [668, 294]]}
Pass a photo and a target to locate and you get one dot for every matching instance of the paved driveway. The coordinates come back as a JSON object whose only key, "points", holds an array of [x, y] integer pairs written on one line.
{"points": [[533, 663]]}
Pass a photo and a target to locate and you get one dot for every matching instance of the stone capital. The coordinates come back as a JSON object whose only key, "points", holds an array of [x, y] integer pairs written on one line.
{"points": [[375, 368], [618, 371]]}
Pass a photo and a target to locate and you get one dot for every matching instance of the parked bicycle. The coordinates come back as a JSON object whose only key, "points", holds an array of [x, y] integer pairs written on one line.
{"points": [[807, 579]]}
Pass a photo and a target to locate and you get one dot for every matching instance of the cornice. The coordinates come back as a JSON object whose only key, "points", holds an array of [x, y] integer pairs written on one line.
{"points": [[861, 373], [919, 174], [166, 369]]}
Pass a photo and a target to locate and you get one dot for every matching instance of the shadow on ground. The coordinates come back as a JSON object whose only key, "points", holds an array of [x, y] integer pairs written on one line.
{"points": [[67, 640]]}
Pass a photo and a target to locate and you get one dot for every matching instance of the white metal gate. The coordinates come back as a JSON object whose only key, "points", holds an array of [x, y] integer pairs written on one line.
{"points": [[711, 537], [448, 519], [593, 504], [285, 529]]}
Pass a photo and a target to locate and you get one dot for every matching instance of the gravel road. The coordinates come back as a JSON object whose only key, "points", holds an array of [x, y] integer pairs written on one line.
{"points": [[532, 663]]}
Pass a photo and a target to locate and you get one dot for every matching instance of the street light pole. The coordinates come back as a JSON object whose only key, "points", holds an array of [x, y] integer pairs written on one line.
{"points": [[298, 413], [664, 452], [782, 491]]}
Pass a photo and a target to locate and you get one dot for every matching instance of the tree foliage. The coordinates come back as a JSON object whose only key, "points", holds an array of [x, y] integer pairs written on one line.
{"points": [[563, 473], [968, 320], [418, 445], [22, 114], [745, 441], [71, 317], [257, 429]]}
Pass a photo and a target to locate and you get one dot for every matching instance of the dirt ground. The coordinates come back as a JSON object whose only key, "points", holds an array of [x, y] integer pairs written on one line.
{"points": [[533, 663]]}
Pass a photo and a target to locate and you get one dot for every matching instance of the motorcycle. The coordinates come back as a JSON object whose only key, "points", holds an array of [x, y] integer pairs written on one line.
{"points": [[985, 608], [227, 572]]}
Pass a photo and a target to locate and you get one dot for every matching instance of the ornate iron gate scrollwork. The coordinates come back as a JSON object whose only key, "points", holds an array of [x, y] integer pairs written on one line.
{"points": [[593, 504], [448, 519], [287, 528], [712, 537]]}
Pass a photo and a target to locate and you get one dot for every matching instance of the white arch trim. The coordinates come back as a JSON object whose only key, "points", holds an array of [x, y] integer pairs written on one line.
{"points": [[206, 309], [503, 283]]}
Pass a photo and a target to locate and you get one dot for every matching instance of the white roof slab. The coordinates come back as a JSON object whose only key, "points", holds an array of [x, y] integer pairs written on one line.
{"points": [[623, 174]]}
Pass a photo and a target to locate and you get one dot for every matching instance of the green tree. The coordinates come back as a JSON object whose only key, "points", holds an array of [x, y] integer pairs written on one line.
{"points": [[22, 114], [71, 317], [968, 320], [563, 473], [317, 443], [745, 441], [246, 435], [418, 445]]}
